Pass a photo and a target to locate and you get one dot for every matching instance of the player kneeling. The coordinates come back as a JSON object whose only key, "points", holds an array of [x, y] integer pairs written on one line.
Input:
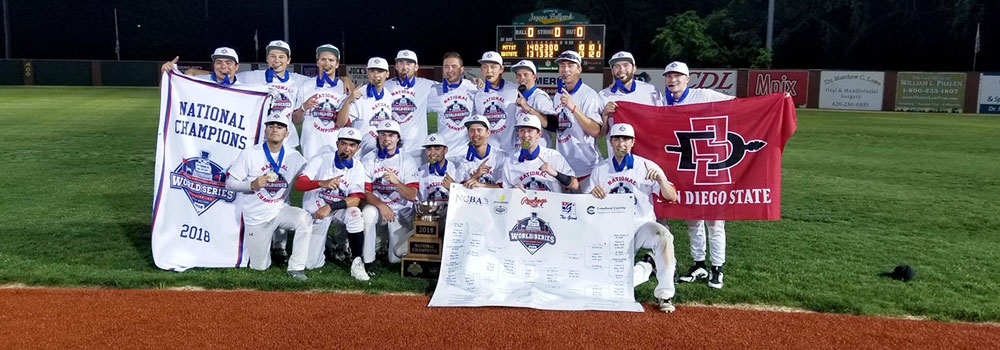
{"points": [[625, 172], [391, 187]]}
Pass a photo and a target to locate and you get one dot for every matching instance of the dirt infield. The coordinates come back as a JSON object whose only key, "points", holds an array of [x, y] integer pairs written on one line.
{"points": [[158, 319]]}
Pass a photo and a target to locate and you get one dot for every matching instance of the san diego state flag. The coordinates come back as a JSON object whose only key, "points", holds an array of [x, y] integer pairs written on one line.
{"points": [[724, 157]]}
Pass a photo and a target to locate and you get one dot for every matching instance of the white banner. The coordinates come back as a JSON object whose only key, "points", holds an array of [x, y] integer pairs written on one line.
{"points": [[540, 250], [851, 90], [203, 127], [989, 92], [723, 81]]}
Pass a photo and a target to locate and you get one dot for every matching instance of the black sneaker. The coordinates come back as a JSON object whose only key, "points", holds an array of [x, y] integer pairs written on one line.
{"points": [[371, 268], [694, 273], [716, 280], [279, 256]]}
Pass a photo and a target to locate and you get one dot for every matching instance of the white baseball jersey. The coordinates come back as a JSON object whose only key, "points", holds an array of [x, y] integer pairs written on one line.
{"points": [[209, 78], [579, 148], [527, 173], [319, 124], [367, 112], [409, 109], [405, 170], [692, 96], [542, 102], [286, 98], [638, 92], [432, 184], [263, 205], [452, 104], [324, 167], [469, 163], [629, 180], [500, 107]]}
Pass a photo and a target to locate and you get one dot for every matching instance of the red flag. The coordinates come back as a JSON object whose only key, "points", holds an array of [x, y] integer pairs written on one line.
{"points": [[724, 158]]}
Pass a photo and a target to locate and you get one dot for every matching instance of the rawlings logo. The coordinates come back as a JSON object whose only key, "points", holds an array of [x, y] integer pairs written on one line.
{"points": [[710, 150], [533, 233], [534, 202]]}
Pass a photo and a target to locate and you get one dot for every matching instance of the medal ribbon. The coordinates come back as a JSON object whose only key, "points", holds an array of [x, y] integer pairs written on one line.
{"points": [[225, 80], [437, 169], [373, 92], [269, 76], [490, 86], [670, 97], [322, 79], [341, 164], [445, 86], [529, 156], [619, 86], [560, 85], [627, 162], [407, 82], [472, 155], [275, 166]]}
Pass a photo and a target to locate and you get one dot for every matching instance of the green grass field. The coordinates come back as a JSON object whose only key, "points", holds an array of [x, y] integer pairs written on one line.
{"points": [[863, 192]]}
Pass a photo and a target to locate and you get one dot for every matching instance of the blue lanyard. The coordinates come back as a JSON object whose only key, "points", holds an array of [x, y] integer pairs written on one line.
{"points": [[407, 82], [322, 79], [670, 97], [627, 162], [560, 85], [383, 153], [437, 169], [276, 166], [373, 92], [341, 164], [490, 86], [225, 80], [527, 93], [529, 156], [445, 86], [619, 86], [269, 76], [472, 155]]}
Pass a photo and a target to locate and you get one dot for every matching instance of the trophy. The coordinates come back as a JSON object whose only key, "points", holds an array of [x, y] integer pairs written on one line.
{"points": [[424, 247], [427, 222]]}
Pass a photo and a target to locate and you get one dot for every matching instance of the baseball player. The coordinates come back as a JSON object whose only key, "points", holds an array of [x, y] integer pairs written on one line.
{"points": [[225, 63], [496, 101], [284, 84], [370, 104], [578, 108], [410, 95], [437, 174], [536, 168], [481, 163], [262, 175], [321, 100], [336, 197], [534, 101], [452, 101], [678, 93], [623, 172], [625, 88], [392, 186]]}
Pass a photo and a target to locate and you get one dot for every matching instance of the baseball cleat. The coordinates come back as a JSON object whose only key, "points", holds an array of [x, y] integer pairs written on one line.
{"points": [[298, 275], [696, 272], [716, 280], [358, 270], [666, 305], [371, 268]]}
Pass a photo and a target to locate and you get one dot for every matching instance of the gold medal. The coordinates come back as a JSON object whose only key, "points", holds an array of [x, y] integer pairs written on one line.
{"points": [[272, 176]]}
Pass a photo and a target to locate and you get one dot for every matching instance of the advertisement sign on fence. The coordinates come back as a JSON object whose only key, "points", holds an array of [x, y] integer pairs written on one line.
{"points": [[851, 90], [989, 93], [930, 92], [794, 82]]}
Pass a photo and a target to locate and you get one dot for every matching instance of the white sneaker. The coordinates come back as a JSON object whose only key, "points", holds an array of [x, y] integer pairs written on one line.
{"points": [[666, 305], [358, 270]]}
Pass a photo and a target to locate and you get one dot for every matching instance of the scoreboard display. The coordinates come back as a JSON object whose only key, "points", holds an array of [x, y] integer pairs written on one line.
{"points": [[543, 43]]}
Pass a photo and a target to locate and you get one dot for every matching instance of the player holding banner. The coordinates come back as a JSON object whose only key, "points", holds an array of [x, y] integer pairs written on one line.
{"points": [[392, 186], [624, 172]]}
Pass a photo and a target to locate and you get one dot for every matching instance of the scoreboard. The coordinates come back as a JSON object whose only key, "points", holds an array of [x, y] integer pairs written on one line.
{"points": [[543, 43]]}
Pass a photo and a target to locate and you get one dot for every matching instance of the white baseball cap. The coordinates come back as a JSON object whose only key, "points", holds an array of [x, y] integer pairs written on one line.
{"points": [[569, 55], [529, 120], [350, 134], [277, 117], [225, 52], [477, 118], [676, 66], [491, 56], [621, 55], [434, 140], [388, 125], [328, 48], [622, 129], [406, 55], [378, 63], [280, 45], [524, 64]]}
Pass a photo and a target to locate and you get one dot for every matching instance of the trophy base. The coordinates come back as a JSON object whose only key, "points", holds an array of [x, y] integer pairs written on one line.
{"points": [[421, 267]]}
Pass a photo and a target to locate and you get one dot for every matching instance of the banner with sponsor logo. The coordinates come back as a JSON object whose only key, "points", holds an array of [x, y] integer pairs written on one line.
{"points": [[723, 81], [930, 92], [540, 250], [989, 92], [766, 82], [203, 127], [851, 90], [724, 158]]}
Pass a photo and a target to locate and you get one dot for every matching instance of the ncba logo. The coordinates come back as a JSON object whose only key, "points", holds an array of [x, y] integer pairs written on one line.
{"points": [[279, 102], [533, 233], [403, 106], [494, 113], [379, 117], [710, 150], [469, 199], [203, 181], [534, 202], [274, 187], [383, 187], [456, 112]]}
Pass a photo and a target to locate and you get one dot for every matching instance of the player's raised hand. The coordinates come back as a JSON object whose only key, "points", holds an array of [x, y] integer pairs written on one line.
{"points": [[169, 65], [311, 103], [331, 184], [610, 107], [567, 99], [259, 182], [547, 168], [521, 101], [652, 173], [483, 169], [598, 192]]}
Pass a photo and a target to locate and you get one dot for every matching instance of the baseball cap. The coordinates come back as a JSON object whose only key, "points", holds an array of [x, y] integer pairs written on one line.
{"points": [[621, 55], [434, 140], [622, 129], [225, 52], [406, 55], [350, 134], [378, 63], [280, 45], [277, 117], [477, 118], [388, 125], [676, 66], [491, 56], [524, 64], [569, 55], [529, 120], [328, 48]]}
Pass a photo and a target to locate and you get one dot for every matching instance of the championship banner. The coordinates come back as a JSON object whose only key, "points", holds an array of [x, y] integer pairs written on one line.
{"points": [[203, 127], [724, 158], [540, 250], [766, 82]]}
